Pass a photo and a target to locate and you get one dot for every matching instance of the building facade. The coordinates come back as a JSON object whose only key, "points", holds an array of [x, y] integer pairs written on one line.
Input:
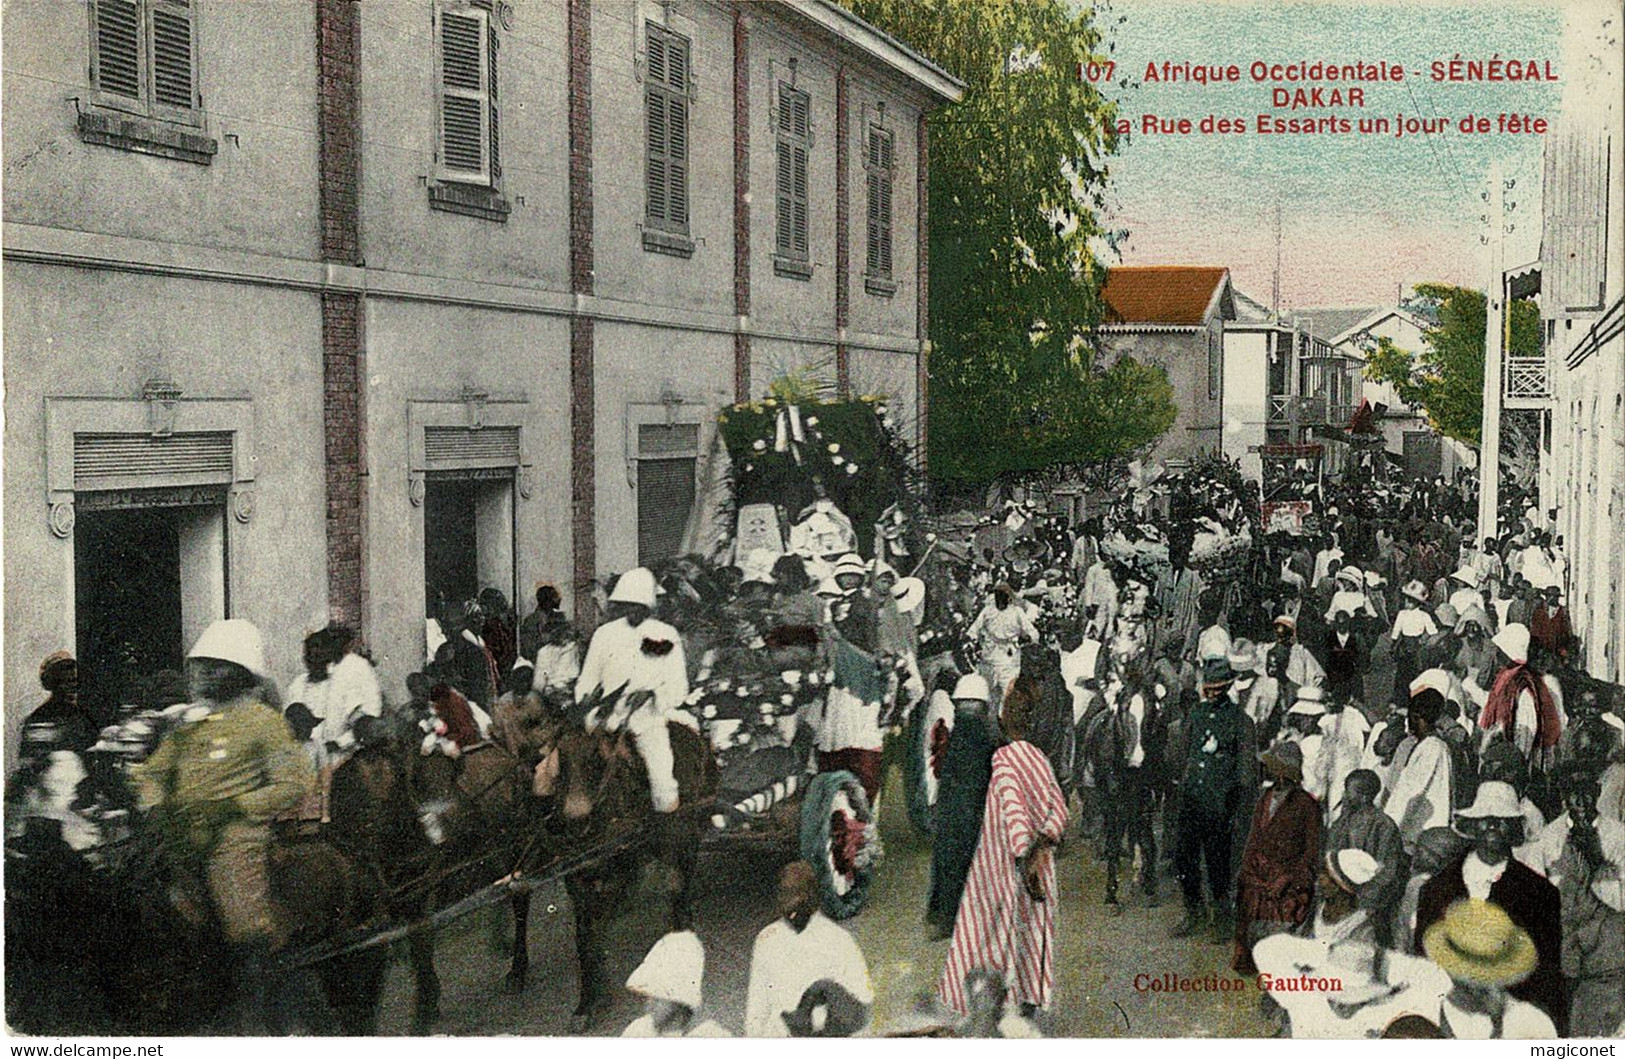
{"points": [[1580, 384], [338, 311], [1174, 316]]}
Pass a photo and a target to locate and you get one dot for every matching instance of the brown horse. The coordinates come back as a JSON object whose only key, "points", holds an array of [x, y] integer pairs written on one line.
{"points": [[602, 791], [429, 830], [432, 830]]}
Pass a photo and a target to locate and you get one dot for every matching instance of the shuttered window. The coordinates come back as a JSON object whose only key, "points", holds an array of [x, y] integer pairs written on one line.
{"points": [[468, 115], [665, 496], [144, 56], [667, 457], [793, 142], [134, 461], [454, 448], [665, 105], [879, 163]]}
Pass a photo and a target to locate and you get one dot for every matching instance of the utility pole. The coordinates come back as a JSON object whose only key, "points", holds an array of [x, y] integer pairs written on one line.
{"points": [[1275, 277], [1489, 453]]}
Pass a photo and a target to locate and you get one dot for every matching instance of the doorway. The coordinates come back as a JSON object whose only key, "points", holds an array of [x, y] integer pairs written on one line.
{"points": [[147, 581], [468, 539]]}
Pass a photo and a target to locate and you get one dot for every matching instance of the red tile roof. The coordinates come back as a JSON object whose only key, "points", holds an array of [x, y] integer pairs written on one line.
{"points": [[1160, 294]]}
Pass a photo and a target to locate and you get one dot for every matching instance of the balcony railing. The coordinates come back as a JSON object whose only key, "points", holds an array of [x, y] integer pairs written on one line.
{"points": [[1311, 410], [1526, 379]]}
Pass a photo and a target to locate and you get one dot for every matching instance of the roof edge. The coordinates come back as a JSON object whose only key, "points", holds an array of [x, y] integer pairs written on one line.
{"points": [[881, 45], [1375, 318]]}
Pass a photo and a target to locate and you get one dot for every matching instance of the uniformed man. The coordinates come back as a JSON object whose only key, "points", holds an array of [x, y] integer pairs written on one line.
{"points": [[214, 786], [1219, 749]]}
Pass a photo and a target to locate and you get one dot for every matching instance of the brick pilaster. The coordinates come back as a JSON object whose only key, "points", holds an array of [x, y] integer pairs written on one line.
{"points": [[922, 290], [338, 121], [583, 482], [843, 234], [741, 204]]}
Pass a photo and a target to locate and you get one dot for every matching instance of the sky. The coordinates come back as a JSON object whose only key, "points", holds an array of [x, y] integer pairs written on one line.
{"points": [[1362, 215]]}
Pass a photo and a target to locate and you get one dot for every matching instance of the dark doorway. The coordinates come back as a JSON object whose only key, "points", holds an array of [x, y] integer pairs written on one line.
{"points": [[450, 544], [127, 602]]}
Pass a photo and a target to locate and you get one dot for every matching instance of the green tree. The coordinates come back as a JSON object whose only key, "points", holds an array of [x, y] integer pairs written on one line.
{"points": [[1445, 378], [1018, 174]]}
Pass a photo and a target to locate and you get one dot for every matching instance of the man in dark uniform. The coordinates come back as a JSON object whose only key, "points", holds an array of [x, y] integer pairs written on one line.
{"points": [[1218, 754]]}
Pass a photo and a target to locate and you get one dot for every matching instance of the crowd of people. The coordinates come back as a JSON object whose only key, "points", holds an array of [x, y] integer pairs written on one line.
{"points": [[1369, 756], [1365, 749]]}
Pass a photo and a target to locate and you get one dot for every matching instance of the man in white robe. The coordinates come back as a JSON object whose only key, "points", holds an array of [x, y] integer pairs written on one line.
{"points": [[801, 949]]}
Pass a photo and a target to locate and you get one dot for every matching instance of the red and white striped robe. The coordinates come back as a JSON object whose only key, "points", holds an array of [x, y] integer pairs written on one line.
{"points": [[999, 926]]}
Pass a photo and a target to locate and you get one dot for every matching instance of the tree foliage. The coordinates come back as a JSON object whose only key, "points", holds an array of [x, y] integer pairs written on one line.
{"points": [[1017, 180], [1445, 379]]}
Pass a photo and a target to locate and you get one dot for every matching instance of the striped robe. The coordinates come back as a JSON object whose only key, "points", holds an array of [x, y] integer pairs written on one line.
{"points": [[999, 926]]}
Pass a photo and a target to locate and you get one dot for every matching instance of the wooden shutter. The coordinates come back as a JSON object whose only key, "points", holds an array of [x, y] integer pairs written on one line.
{"points": [[173, 81], [792, 149], [880, 159], [494, 127], [117, 40], [665, 498], [466, 105], [666, 128], [459, 448], [133, 461]]}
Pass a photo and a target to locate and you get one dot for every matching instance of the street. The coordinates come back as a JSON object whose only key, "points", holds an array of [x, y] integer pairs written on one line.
{"points": [[1098, 959]]}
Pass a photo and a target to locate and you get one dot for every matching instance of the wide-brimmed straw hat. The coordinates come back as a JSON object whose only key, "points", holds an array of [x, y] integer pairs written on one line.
{"points": [[1415, 590], [1477, 941]]}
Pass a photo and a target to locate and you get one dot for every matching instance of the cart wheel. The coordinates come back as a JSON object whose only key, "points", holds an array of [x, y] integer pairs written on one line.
{"points": [[928, 733], [834, 816]]}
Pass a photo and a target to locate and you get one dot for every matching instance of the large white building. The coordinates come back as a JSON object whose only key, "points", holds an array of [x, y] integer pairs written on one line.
{"points": [[319, 309]]}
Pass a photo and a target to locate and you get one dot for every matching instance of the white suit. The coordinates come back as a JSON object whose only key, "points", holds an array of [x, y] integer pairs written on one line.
{"points": [[622, 660]]}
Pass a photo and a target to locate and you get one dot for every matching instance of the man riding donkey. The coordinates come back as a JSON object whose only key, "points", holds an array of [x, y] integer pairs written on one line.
{"points": [[213, 787]]}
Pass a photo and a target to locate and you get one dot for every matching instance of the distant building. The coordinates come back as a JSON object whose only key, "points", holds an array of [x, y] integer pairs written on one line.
{"points": [[1174, 316], [1419, 450]]}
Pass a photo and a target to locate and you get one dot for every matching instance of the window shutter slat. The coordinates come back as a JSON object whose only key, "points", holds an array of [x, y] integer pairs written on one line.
{"points": [[872, 220], [491, 81], [785, 203], [118, 48], [172, 56], [885, 226], [677, 65], [655, 54], [677, 128], [677, 180], [462, 131], [460, 63]]}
